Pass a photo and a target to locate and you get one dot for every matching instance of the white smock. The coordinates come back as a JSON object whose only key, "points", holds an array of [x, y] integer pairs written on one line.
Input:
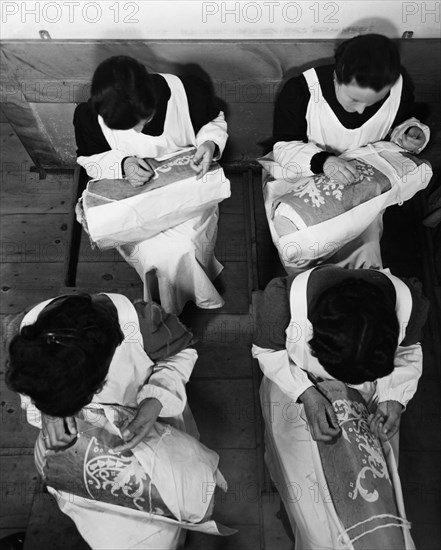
{"points": [[182, 257], [291, 455], [102, 525], [326, 133]]}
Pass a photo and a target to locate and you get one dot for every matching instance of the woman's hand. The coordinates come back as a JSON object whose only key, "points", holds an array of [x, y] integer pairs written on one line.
{"points": [[340, 170], [385, 423], [58, 432], [320, 414], [203, 158], [135, 431], [137, 171], [413, 139]]}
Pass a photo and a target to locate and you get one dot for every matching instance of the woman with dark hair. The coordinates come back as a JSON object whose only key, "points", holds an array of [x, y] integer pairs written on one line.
{"points": [[360, 327], [331, 109], [113, 368], [132, 115]]}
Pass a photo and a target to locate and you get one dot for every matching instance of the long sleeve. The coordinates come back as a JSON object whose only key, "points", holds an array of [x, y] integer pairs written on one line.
{"points": [[295, 157], [216, 131], [167, 382], [105, 165], [402, 383], [280, 369]]}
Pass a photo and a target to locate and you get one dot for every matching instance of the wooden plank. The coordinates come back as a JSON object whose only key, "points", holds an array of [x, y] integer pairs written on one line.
{"points": [[104, 275], [16, 432], [224, 411], [23, 192], [15, 158], [19, 482], [231, 243], [57, 121], [24, 121], [221, 360], [59, 70], [25, 283], [238, 466], [36, 238]]}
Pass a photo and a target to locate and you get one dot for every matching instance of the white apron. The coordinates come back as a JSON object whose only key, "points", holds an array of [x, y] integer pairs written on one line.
{"points": [[327, 132], [182, 257], [292, 456]]}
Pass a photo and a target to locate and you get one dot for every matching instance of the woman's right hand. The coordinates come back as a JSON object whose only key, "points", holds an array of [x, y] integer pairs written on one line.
{"points": [[340, 170], [320, 414], [137, 171], [58, 432]]}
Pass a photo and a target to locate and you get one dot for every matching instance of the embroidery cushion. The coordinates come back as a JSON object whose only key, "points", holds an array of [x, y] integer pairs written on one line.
{"points": [[318, 215], [357, 475], [115, 213], [153, 477]]}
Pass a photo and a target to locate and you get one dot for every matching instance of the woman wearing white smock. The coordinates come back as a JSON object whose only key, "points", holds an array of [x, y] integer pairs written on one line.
{"points": [[291, 314], [331, 109], [134, 115], [93, 354]]}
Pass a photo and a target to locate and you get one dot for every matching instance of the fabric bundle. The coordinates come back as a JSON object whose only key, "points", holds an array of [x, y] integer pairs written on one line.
{"points": [[169, 476], [115, 213], [315, 216], [357, 476]]}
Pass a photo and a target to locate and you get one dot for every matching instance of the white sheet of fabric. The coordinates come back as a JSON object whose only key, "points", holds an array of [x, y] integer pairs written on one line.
{"points": [[293, 460], [184, 261], [184, 255], [291, 454], [132, 377], [352, 238], [118, 222]]}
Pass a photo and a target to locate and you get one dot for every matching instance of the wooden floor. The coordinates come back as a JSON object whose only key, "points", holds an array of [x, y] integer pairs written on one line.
{"points": [[36, 224]]}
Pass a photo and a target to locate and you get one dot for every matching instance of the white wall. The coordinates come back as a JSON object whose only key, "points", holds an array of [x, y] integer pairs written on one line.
{"points": [[218, 19]]}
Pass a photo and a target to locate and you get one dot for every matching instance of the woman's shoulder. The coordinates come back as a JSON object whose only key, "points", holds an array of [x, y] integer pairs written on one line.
{"points": [[419, 313], [84, 112]]}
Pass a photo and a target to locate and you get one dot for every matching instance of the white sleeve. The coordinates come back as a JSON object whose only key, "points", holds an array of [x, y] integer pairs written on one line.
{"points": [[295, 157], [280, 369], [33, 415], [216, 131], [167, 382], [402, 383], [105, 165]]}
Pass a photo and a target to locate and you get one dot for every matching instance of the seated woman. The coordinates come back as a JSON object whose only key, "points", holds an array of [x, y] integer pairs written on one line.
{"points": [[84, 367], [331, 109], [357, 326], [134, 115]]}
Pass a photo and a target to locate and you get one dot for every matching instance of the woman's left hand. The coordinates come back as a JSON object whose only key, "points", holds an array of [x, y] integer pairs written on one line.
{"points": [[203, 158], [136, 430], [385, 423], [413, 139]]}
